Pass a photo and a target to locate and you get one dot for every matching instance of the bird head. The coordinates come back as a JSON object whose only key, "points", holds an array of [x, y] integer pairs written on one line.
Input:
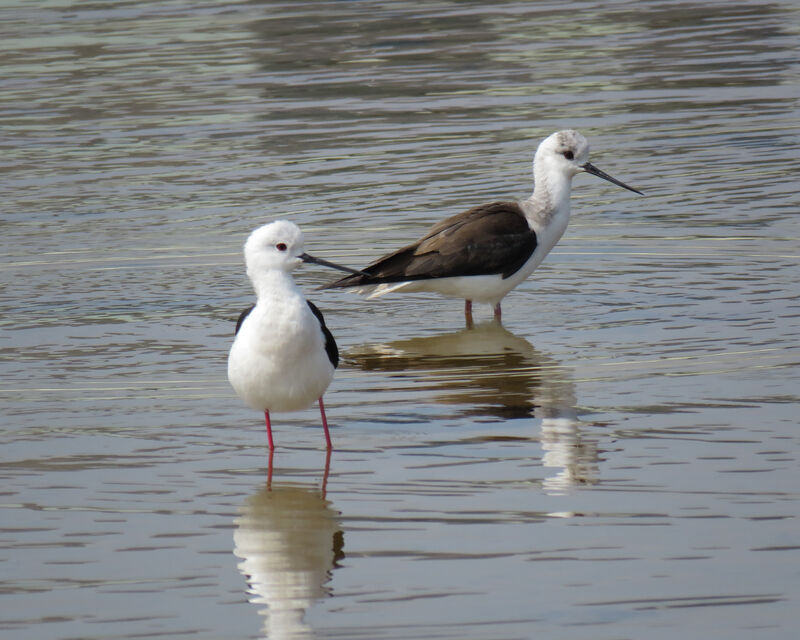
{"points": [[274, 246], [278, 246], [567, 152]]}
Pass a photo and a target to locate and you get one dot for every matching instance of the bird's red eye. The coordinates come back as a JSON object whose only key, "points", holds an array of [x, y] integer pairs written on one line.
{"points": [[280, 246]]}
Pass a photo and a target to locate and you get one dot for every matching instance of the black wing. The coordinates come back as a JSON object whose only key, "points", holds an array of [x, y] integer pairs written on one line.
{"points": [[242, 316], [330, 344], [489, 239]]}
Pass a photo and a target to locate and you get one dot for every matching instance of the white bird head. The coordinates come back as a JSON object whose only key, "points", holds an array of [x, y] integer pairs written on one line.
{"points": [[275, 246], [278, 246], [567, 152]]}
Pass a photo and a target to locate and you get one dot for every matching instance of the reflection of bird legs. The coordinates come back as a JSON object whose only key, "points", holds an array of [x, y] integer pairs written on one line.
{"points": [[325, 473], [498, 313], [269, 469]]}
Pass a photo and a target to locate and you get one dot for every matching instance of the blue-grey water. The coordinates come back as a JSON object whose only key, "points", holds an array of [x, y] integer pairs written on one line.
{"points": [[619, 460]]}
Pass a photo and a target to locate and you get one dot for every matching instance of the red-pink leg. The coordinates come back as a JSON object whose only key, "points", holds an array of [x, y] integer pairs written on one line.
{"points": [[269, 430], [498, 313], [325, 423], [468, 312]]}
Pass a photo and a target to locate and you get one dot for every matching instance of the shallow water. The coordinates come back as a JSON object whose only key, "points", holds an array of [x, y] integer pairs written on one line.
{"points": [[618, 460]]}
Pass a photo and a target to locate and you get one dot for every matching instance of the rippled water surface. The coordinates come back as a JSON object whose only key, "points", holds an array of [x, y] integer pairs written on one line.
{"points": [[618, 460]]}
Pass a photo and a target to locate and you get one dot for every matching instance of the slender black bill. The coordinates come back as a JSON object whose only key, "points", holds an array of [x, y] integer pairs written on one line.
{"points": [[308, 258], [590, 168]]}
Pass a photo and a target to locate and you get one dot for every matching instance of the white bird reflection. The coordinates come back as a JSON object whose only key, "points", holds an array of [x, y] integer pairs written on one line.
{"points": [[486, 370], [289, 540]]}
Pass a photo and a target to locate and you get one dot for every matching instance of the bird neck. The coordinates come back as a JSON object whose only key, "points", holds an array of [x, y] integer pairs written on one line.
{"points": [[550, 197], [273, 283]]}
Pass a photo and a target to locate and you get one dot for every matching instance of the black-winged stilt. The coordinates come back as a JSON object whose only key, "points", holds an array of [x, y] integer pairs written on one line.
{"points": [[483, 253], [283, 356]]}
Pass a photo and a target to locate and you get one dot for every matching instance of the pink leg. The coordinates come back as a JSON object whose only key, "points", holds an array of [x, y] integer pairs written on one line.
{"points": [[468, 312], [269, 430], [325, 424], [498, 313]]}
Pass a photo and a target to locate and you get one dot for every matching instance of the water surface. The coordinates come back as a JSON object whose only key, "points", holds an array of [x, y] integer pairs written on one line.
{"points": [[618, 460]]}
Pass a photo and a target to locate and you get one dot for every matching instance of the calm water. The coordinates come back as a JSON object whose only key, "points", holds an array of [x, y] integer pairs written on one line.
{"points": [[619, 460]]}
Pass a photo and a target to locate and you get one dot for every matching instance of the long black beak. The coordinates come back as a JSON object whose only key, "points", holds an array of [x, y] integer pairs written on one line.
{"points": [[308, 258], [590, 168]]}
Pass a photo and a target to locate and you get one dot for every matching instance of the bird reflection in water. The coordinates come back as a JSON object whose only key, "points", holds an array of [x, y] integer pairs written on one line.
{"points": [[486, 370], [289, 540]]}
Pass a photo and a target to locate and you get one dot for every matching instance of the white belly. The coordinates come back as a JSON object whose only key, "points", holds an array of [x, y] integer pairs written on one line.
{"points": [[278, 361]]}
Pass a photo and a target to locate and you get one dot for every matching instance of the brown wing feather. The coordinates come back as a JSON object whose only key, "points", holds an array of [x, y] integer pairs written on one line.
{"points": [[489, 239]]}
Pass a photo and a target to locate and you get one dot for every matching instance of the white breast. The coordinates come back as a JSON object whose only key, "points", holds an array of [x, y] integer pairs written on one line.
{"points": [[278, 360]]}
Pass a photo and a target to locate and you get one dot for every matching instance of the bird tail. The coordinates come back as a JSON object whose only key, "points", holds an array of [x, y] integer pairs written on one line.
{"points": [[378, 290], [346, 283], [363, 286]]}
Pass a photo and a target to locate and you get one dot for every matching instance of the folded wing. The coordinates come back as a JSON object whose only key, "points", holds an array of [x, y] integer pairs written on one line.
{"points": [[489, 239]]}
